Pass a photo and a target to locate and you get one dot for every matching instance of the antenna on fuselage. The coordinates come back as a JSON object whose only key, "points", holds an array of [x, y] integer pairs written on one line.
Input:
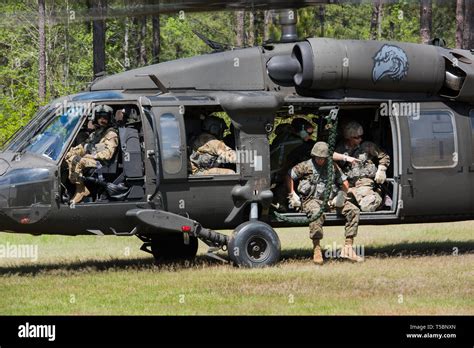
{"points": [[156, 81]]}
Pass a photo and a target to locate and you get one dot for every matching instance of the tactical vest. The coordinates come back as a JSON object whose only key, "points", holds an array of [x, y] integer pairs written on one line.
{"points": [[95, 138], [315, 185], [363, 169]]}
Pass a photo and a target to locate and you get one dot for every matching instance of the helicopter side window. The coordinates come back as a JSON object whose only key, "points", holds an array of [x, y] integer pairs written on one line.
{"points": [[433, 140], [170, 143]]}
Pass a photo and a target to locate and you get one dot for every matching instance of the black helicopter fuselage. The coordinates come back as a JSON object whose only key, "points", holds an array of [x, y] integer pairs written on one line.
{"points": [[415, 100]]}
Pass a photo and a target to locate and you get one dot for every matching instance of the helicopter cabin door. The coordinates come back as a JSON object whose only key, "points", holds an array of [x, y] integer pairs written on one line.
{"points": [[436, 155], [204, 198]]}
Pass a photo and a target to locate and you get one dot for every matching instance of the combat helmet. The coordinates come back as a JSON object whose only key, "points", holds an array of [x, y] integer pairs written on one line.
{"points": [[103, 111], [215, 126], [320, 149]]}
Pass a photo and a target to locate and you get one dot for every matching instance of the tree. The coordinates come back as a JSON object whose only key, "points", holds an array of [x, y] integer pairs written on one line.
{"points": [[426, 21], [251, 29], [464, 24], [239, 28], [155, 19], [126, 44], [376, 21], [459, 22], [99, 8], [267, 19], [141, 49], [468, 32], [42, 51], [322, 19]]}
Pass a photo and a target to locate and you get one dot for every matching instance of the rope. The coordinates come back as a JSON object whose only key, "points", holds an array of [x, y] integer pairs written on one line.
{"points": [[332, 126]]}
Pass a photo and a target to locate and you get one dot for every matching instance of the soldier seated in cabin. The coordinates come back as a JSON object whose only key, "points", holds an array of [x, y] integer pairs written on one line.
{"points": [[210, 155], [288, 149], [368, 172], [99, 148]]}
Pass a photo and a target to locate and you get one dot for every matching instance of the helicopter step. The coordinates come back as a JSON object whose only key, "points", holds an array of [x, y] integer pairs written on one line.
{"points": [[152, 221], [170, 236]]}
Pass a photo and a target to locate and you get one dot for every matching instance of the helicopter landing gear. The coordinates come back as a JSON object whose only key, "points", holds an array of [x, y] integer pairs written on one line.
{"points": [[254, 244]]}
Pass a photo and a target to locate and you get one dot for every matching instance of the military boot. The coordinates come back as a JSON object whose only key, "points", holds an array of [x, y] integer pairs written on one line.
{"points": [[317, 255], [81, 192], [349, 253]]}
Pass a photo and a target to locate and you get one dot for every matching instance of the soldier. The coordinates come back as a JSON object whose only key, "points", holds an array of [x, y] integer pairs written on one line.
{"points": [[312, 177], [99, 147], [210, 155], [364, 174], [289, 138]]}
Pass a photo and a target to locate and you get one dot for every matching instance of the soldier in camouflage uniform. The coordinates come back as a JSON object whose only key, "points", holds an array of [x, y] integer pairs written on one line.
{"points": [[210, 155], [289, 147], [364, 174], [99, 147], [312, 178]]}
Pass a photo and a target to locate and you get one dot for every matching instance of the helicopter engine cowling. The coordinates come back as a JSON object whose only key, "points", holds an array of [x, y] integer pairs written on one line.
{"points": [[368, 65]]}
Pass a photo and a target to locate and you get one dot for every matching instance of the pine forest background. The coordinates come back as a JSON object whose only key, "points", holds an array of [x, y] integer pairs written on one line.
{"points": [[51, 48]]}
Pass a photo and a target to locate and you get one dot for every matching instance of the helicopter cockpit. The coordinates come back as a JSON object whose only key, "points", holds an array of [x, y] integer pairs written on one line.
{"points": [[122, 176], [33, 166], [29, 162]]}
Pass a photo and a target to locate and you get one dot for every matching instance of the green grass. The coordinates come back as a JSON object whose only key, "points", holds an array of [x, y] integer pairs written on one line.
{"points": [[409, 269]]}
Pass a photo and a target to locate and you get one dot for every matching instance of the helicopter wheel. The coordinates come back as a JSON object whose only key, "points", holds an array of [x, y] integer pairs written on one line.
{"points": [[254, 244], [171, 247]]}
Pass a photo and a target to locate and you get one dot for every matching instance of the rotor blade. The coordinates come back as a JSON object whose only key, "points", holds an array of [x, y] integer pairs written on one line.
{"points": [[153, 7]]}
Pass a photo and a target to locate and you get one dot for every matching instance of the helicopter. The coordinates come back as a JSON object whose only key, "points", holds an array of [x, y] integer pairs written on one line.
{"points": [[415, 100]]}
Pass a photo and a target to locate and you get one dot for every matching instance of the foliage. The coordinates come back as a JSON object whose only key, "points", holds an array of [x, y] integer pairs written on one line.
{"points": [[69, 41]]}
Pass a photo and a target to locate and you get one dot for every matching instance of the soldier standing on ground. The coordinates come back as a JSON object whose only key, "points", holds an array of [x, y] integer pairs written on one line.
{"points": [[312, 177]]}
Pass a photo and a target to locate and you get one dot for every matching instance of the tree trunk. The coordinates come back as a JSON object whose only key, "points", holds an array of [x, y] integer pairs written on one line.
{"points": [[239, 28], [98, 35], [66, 47], [142, 61], [42, 51], [468, 32], [426, 8], [376, 20], [267, 20], [459, 23], [126, 45], [156, 38], [251, 31], [322, 19]]}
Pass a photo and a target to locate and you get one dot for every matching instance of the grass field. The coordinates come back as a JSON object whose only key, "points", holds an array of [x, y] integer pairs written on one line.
{"points": [[409, 269]]}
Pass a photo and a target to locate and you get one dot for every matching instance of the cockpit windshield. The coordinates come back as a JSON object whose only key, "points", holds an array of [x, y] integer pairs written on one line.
{"points": [[51, 138]]}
